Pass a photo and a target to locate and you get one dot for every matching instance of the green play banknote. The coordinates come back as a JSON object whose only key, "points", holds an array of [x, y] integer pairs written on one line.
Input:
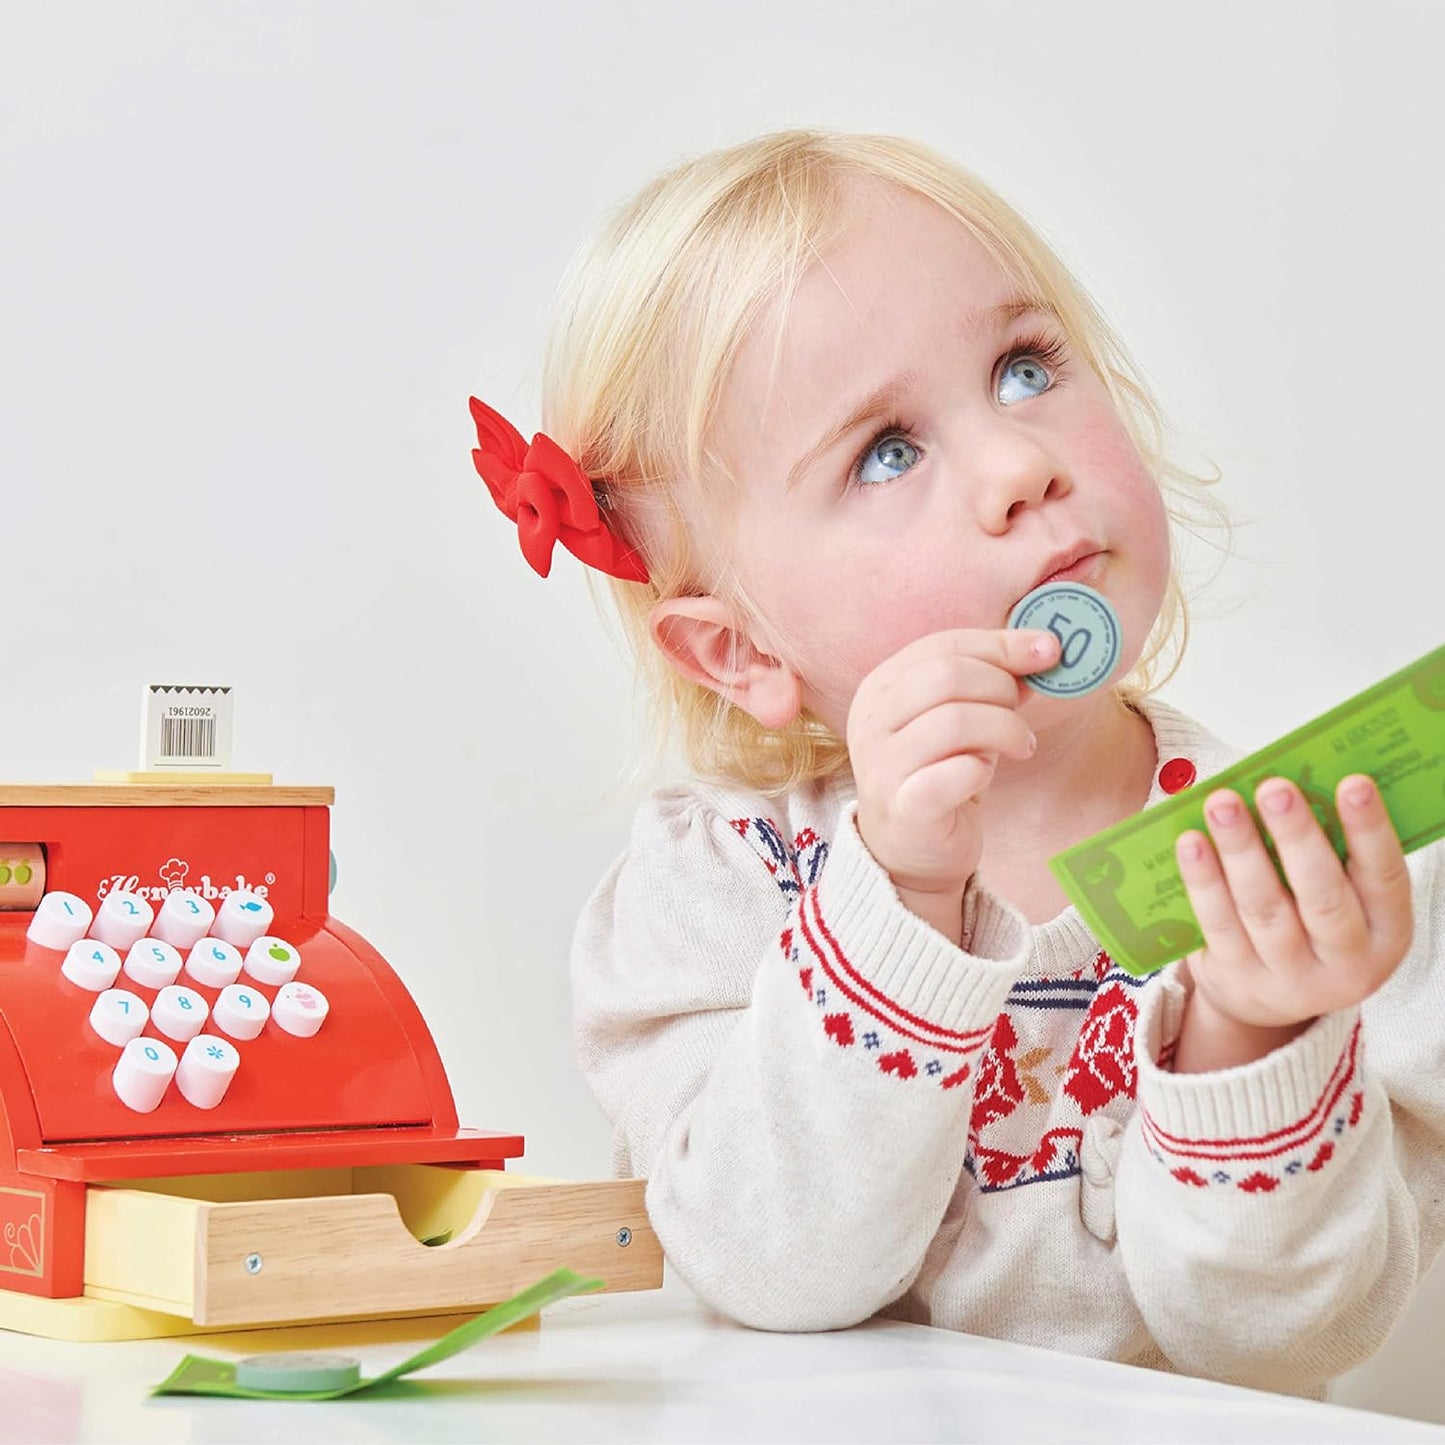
{"points": [[1125, 882], [197, 1375]]}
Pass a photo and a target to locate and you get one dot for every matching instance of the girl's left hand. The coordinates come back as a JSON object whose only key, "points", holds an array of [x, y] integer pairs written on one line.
{"points": [[1275, 957]]}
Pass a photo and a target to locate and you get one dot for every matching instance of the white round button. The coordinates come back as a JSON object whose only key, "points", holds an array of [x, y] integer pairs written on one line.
{"points": [[183, 919], [118, 1016], [214, 963], [121, 919], [152, 964], [206, 1070], [241, 1011], [300, 1009], [91, 964], [61, 920], [242, 918], [272, 960], [145, 1069], [179, 1012]]}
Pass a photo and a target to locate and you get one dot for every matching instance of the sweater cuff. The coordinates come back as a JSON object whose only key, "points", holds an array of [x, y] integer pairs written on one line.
{"points": [[897, 966], [1251, 1124]]}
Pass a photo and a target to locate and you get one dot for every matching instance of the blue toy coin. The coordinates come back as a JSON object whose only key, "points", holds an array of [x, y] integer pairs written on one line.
{"points": [[1088, 631]]}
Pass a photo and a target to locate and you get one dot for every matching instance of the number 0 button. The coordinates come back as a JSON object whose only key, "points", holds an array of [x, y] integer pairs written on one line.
{"points": [[146, 1067]]}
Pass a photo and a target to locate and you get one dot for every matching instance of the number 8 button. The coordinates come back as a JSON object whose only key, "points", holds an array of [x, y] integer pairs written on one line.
{"points": [[179, 1012]]}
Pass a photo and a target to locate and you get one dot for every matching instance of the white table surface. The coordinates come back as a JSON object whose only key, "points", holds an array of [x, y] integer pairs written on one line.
{"points": [[657, 1367]]}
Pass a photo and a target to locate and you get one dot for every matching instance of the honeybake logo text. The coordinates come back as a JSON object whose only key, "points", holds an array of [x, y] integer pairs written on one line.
{"points": [[172, 874]]}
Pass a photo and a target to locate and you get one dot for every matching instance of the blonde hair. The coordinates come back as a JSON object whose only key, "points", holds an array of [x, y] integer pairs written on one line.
{"points": [[650, 317]]}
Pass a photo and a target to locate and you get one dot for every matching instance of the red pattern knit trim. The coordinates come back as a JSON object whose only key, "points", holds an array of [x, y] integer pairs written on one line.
{"points": [[1278, 1141], [864, 995], [1300, 1146]]}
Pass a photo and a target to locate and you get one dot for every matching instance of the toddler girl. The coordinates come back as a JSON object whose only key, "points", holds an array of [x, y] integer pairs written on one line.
{"points": [[826, 408]]}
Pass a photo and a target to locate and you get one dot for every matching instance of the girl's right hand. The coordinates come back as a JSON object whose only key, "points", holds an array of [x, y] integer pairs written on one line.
{"points": [[925, 732]]}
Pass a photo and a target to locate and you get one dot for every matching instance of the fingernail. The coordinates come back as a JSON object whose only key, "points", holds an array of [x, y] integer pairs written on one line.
{"points": [[1191, 847], [1042, 646], [1359, 791], [1225, 811], [1033, 744], [1278, 799]]}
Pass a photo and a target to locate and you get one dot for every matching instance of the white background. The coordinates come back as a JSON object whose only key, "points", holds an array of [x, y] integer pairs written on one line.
{"points": [[254, 258]]}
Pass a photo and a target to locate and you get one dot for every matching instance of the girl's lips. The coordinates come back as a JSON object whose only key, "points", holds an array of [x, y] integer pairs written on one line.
{"points": [[1084, 570]]}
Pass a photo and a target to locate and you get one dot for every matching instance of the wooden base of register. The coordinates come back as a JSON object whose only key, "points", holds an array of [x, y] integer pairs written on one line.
{"points": [[236, 1251]]}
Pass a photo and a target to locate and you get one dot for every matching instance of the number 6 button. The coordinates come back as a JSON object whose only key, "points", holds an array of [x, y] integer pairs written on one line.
{"points": [[214, 963]]}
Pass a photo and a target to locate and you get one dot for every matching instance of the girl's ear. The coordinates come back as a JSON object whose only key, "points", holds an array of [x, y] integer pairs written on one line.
{"points": [[704, 639]]}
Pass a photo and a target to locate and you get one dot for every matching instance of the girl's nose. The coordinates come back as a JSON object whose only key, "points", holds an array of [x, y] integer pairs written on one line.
{"points": [[1014, 472]]}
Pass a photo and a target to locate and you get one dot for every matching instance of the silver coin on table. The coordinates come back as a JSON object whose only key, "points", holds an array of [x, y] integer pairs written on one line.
{"points": [[297, 1373]]}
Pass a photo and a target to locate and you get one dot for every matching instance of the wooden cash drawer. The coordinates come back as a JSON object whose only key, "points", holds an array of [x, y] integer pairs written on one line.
{"points": [[247, 1249]]}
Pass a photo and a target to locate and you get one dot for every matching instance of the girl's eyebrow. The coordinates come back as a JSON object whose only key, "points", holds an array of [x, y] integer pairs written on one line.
{"points": [[885, 398]]}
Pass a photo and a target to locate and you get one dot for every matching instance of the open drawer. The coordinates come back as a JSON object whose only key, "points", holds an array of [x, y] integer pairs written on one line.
{"points": [[291, 1246]]}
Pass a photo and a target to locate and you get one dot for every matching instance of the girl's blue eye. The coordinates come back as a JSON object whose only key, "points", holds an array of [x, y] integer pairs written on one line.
{"points": [[887, 459], [1023, 377]]}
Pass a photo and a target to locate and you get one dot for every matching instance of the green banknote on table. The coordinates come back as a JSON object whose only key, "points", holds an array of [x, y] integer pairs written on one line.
{"points": [[1125, 882], [201, 1375]]}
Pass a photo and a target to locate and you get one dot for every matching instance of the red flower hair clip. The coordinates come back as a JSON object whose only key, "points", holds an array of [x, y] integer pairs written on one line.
{"points": [[549, 497]]}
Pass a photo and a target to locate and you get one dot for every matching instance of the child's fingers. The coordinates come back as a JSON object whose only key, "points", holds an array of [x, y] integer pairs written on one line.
{"points": [[1263, 904], [961, 665], [1376, 862], [1210, 898], [934, 792], [1325, 900], [941, 678], [961, 727]]}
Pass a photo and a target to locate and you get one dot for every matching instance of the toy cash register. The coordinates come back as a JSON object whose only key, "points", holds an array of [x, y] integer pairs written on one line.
{"points": [[219, 1106]]}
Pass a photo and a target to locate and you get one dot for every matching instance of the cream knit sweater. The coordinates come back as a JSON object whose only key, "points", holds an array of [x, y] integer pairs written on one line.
{"points": [[841, 1114]]}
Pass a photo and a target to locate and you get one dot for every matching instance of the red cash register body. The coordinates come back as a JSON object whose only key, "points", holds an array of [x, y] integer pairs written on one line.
{"points": [[368, 1088]]}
